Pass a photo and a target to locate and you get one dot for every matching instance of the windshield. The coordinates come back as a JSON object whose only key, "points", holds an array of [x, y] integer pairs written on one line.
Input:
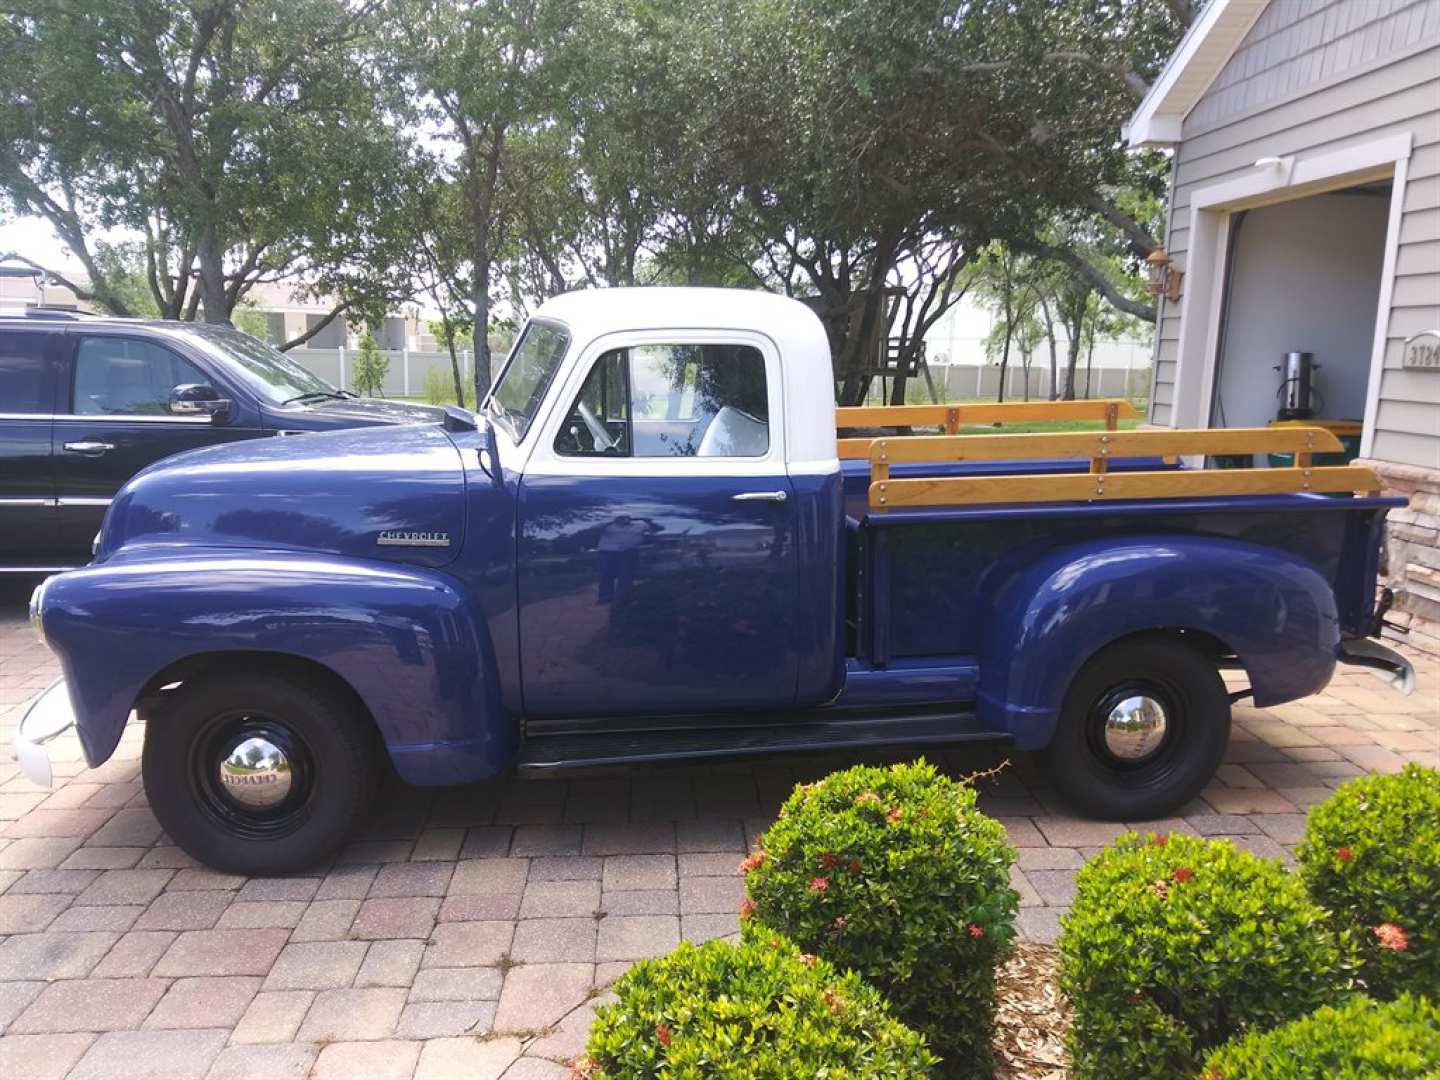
{"points": [[533, 363], [266, 370]]}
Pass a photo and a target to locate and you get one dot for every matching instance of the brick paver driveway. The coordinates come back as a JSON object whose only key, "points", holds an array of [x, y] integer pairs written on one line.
{"points": [[498, 911]]}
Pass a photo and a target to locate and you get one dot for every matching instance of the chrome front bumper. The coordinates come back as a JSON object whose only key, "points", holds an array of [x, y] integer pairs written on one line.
{"points": [[49, 716], [1383, 662]]}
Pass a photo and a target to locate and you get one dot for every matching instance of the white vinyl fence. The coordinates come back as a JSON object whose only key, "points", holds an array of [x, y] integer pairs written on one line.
{"points": [[406, 376], [964, 382]]}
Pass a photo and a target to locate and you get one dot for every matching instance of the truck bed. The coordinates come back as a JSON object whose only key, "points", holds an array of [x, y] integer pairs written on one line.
{"points": [[919, 579]]}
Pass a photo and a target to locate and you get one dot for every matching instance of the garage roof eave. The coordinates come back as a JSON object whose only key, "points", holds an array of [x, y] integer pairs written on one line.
{"points": [[1201, 55]]}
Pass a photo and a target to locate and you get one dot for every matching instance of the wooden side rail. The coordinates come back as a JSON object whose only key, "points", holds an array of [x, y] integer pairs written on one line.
{"points": [[950, 417], [1099, 447]]}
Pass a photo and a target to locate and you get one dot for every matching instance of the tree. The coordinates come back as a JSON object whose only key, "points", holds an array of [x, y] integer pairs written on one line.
{"points": [[371, 367], [481, 73], [446, 329], [226, 133], [830, 148]]}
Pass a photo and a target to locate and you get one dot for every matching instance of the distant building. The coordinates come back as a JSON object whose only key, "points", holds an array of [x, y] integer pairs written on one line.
{"points": [[24, 287]]}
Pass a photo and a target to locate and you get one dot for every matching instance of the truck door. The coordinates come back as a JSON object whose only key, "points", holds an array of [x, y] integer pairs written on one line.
{"points": [[657, 525]]}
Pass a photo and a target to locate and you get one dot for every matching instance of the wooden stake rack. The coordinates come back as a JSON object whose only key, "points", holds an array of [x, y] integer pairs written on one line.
{"points": [[950, 417], [1100, 448]]}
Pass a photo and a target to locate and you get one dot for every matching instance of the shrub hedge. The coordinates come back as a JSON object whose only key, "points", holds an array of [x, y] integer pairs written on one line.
{"points": [[1175, 945], [1371, 855], [1359, 1040], [760, 1009], [893, 873]]}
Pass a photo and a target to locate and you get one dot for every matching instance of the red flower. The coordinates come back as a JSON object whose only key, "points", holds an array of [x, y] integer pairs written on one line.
{"points": [[976, 931], [663, 1034], [1343, 853], [747, 908], [1159, 888], [808, 959], [582, 1068], [868, 798], [751, 862], [1182, 874], [1391, 936], [839, 922], [829, 861], [894, 815], [1160, 839], [1134, 998], [853, 866], [819, 884]]}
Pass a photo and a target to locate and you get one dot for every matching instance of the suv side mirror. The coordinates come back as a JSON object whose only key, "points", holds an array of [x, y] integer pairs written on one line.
{"points": [[188, 399]]}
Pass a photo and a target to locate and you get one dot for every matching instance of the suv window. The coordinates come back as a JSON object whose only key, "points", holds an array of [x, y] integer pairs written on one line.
{"points": [[671, 401], [24, 379], [117, 376]]}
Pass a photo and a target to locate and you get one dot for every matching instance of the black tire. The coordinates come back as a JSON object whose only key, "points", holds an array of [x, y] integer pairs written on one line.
{"points": [[1080, 762], [332, 768]]}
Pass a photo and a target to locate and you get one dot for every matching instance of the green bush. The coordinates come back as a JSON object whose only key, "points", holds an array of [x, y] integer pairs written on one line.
{"points": [[439, 386], [760, 1009], [1371, 855], [1175, 945], [1359, 1040], [892, 872]]}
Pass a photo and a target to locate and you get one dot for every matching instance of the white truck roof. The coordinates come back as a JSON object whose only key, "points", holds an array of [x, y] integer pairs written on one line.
{"points": [[808, 390]]}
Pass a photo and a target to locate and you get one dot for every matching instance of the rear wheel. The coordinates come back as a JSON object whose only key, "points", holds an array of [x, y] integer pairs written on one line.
{"points": [[259, 774], [1143, 728]]}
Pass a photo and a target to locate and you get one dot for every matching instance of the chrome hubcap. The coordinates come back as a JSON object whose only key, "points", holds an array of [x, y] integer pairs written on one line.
{"points": [[255, 773], [1135, 727]]}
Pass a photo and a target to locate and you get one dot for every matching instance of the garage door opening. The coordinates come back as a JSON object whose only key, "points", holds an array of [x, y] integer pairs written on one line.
{"points": [[1302, 276]]}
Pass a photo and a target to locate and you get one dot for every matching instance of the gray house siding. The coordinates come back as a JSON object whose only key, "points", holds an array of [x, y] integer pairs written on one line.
{"points": [[1246, 116]]}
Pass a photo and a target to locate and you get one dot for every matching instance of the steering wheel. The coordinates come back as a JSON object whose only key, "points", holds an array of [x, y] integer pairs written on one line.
{"points": [[601, 437]]}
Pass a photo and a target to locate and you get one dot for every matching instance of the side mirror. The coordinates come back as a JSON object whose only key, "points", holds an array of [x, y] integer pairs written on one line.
{"points": [[189, 399]]}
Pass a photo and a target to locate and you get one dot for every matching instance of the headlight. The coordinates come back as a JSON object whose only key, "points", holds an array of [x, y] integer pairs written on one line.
{"points": [[37, 617]]}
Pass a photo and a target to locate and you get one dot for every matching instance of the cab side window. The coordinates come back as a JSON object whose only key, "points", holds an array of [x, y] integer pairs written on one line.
{"points": [[116, 376], [24, 375], [671, 401]]}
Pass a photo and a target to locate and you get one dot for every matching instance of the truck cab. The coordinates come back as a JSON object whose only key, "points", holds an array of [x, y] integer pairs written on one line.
{"points": [[649, 545], [677, 504]]}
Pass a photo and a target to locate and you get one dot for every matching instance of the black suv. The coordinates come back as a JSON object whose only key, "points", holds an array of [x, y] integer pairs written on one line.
{"points": [[87, 402]]}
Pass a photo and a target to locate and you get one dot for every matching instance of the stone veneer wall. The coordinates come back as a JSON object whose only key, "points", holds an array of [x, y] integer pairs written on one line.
{"points": [[1410, 563]]}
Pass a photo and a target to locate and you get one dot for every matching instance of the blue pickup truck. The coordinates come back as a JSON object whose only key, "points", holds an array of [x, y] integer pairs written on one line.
{"points": [[648, 545]]}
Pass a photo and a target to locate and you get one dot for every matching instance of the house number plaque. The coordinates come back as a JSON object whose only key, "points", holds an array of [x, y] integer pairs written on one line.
{"points": [[1422, 351]]}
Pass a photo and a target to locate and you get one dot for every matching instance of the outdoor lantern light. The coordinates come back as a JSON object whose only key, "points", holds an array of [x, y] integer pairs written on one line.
{"points": [[1163, 280]]}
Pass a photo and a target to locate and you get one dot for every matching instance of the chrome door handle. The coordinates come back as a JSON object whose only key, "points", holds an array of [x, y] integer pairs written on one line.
{"points": [[89, 449], [760, 496]]}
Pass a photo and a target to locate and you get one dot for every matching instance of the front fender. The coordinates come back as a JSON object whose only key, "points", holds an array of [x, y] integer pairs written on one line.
{"points": [[404, 638], [1275, 611]]}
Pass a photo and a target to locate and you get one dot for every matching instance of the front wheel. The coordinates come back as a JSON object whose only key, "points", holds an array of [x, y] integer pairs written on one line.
{"points": [[258, 774], [1143, 728]]}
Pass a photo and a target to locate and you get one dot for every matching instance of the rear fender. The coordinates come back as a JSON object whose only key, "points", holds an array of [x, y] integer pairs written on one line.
{"points": [[405, 639], [1047, 618]]}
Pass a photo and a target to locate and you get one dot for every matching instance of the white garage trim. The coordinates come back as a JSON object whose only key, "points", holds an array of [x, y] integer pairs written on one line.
{"points": [[1275, 180]]}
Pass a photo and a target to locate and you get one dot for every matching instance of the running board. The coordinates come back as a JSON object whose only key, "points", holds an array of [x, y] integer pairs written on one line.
{"points": [[585, 749]]}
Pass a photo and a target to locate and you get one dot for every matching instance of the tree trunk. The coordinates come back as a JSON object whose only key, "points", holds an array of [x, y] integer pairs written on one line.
{"points": [[211, 254], [1089, 363], [1054, 360], [480, 299], [455, 365], [1072, 349]]}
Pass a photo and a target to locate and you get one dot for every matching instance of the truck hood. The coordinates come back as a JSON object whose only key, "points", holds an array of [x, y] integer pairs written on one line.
{"points": [[390, 493]]}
